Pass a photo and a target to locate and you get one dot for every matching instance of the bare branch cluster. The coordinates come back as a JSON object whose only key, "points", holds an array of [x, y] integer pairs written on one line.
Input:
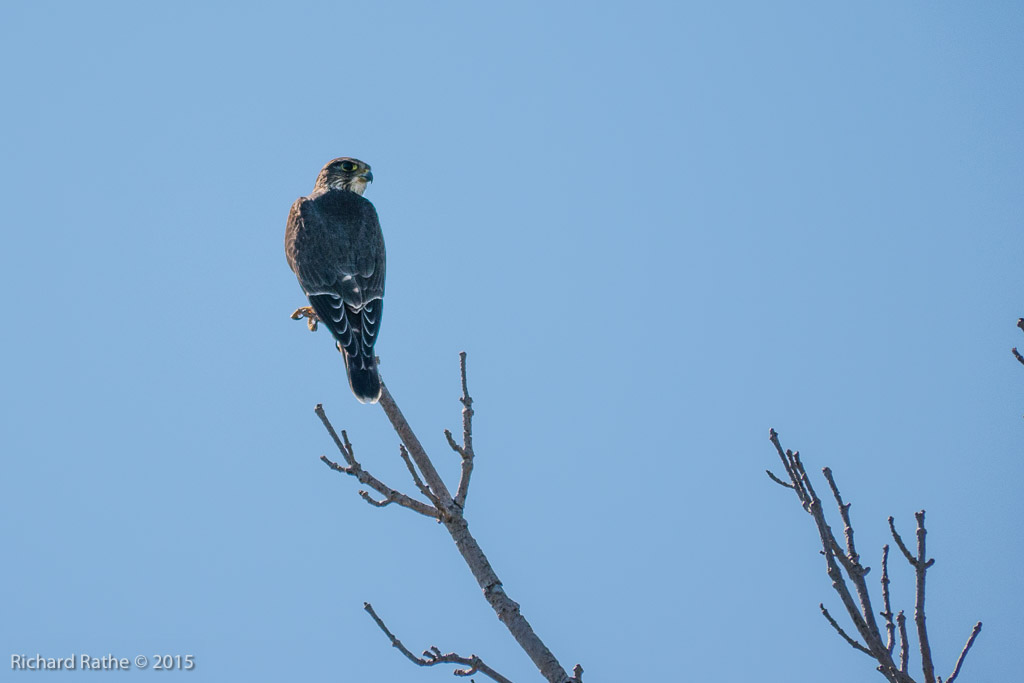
{"points": [[432, 656], [844, 568], [356, 470], [448, 510]]}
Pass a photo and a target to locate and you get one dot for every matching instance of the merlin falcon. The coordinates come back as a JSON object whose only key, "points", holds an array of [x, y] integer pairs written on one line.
{"points": [[335, 247]]}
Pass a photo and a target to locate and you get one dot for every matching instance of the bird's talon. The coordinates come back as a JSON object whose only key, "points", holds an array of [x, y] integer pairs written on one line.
{"points": [[312, 320]]}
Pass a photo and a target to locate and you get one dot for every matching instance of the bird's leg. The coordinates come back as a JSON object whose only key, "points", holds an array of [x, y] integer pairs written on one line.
{"points": [[312, 319]]}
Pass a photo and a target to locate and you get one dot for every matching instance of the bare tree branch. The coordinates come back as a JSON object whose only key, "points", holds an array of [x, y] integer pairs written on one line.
{"points": [[449, 511], [963, 654], [433, 656], [419, 456], [364, 477], [920, 567], [901, 621], [839, 559], [854, 569], [466, 449], [832, 551], [365, 495], [451, 516], [844, 512], [920, 564], [840, 631], [778, 481], [785, 457], [899, 541], [890, 627], [416, 478]]}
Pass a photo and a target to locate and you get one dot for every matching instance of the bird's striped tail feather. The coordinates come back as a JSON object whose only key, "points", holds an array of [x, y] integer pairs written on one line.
{"points": [[355, 333], [363, 377]]}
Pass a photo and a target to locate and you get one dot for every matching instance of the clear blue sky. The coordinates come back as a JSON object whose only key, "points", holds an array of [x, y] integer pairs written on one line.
{"points": [[657, 229]]}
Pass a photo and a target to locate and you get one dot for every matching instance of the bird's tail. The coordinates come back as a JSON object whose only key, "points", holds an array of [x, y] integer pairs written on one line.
{"points": [[363, 377], [354, 333]]}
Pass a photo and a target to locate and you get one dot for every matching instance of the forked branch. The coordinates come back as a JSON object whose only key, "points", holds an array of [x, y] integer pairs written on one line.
{"points": [[844, 567], [449, 511], [466, 449], [356, 470], [432, 655]]}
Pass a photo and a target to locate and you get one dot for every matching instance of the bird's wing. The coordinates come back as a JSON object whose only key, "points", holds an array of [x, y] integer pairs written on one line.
{"points": [[335, 247]]}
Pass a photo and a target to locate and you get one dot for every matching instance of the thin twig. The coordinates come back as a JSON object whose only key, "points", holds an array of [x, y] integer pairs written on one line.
{"points": [[376, 503], [777, 480], [390, 495], [415, 448], [890, 627], [466, 450], [854, 568], [901, 622], [920, 567], [963, 653], [424, 489], [433, 656], [356, 470], [785, 457], [840, 631], [451, 442], [899, 542], [829, 544], [844, 512]]}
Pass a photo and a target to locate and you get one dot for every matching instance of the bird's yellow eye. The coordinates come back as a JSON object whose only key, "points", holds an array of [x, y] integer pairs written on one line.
{"points": [[348, 166]]}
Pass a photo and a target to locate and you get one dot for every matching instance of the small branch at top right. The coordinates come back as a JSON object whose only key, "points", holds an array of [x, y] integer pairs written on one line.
{"points": [[1016, 353]]}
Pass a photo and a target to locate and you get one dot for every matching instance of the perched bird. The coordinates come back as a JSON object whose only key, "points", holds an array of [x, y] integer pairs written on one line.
{"points": [[335, 247]]}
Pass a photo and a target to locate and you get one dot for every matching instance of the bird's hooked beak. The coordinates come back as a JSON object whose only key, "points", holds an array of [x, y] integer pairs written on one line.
{"points": [[368, 176]]}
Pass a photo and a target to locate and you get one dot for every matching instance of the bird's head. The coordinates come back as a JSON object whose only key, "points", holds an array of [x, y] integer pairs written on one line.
{"points": [[345, 173]]}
